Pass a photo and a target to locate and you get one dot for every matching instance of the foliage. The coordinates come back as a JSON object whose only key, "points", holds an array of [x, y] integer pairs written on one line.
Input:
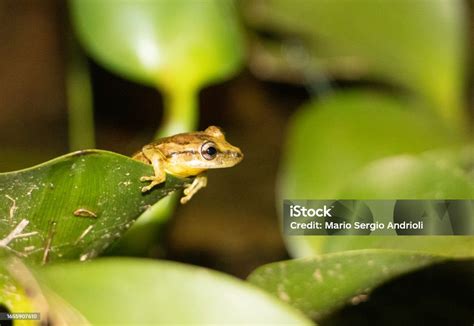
{"points": [[418, 46], [409, 142], [168, 293], [319, 285], [74, 206], [361, 144], [177, 46]]}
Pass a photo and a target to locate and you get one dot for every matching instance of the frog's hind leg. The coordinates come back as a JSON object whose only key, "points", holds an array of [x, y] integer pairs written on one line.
{"points": [[200, 181], [159, 177]]}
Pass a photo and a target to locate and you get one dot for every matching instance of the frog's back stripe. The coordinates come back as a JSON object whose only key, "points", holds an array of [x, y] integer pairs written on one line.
{"points": [[189, 151]]}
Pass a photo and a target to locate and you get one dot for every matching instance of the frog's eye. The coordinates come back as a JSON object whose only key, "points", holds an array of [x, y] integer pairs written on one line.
{"points": [[209, 150]]}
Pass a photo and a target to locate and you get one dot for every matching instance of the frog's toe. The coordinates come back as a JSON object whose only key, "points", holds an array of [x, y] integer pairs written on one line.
{"points": [[147, 178], [150, 186], [184, 199]]}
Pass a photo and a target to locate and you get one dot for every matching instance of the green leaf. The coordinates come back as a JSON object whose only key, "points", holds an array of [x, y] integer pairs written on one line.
{"points": [[319, 285], [75, 206], [169, 293], [418, 45], [346, 147], [171, 43]]}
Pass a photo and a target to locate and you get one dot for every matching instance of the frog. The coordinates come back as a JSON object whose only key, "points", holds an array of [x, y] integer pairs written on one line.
{"points": [[188, 155]]}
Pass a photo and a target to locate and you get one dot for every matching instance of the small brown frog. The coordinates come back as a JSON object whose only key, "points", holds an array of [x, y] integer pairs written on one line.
{"points": [[188, 154]]}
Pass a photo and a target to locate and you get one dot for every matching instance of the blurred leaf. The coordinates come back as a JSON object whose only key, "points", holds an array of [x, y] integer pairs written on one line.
{"points": [[415, 44], [169, 293], [320, 285], [409, 176], [21, 293], [74, 206], [170, 43], [328, 140], [331, 142], [454, 246], [12, 295]]}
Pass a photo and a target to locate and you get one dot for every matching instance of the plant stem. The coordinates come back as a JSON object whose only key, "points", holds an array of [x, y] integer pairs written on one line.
{"points": [[180, 111], [79, 100]]}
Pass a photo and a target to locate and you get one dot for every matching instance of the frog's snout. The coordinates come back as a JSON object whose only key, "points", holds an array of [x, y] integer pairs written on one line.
{"points": [[237, 155], [234, 156]]}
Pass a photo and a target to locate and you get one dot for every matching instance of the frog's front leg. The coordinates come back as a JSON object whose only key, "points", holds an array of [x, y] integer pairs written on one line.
{"points": [[160, 174], [200, 181]]}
